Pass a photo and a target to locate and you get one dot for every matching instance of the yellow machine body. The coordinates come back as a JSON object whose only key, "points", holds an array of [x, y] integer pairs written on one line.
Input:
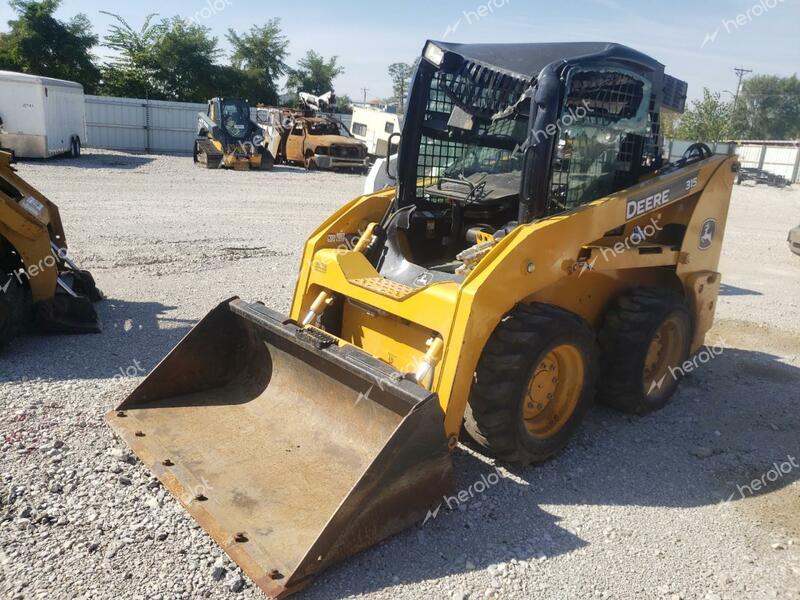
{"points": [[557, 260], [493, 273]]}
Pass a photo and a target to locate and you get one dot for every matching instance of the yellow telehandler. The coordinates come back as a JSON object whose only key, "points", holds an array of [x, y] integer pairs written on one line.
{"points": [[39, 281], [536, 251]]}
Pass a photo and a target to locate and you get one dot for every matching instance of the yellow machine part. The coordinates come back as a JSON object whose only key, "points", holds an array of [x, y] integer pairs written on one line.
{"points": [[231, 161], [295, 447], [540, 262], [30, 235]]}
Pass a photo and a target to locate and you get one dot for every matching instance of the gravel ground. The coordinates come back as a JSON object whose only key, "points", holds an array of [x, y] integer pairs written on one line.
{"points": [[635, 508]]}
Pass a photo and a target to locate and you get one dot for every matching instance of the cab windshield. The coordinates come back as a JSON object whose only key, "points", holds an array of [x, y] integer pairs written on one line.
{"points": [[471, 141], [327, 128], [236, 118]]}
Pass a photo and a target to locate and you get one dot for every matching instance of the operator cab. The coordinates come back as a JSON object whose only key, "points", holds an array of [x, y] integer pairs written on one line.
{"points": [[235, 114], [326, 127], [501, 134]]}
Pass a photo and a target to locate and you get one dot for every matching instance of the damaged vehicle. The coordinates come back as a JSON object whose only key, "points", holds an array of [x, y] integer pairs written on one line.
{"points": [[323, 143]]}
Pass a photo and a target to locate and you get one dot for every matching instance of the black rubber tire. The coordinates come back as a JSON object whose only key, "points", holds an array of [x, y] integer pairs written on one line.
{"points": [[85, 285], [267, 160], [15, 308], [493, 417], [75, 148], [625, 337]]}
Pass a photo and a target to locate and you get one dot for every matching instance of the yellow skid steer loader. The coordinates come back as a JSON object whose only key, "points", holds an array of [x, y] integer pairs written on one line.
{"points": [[536, 252], [228, 137], [39, 281]]}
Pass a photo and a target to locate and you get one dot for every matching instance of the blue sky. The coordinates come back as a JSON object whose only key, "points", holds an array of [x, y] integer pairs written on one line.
{"points": [[368, 36]]}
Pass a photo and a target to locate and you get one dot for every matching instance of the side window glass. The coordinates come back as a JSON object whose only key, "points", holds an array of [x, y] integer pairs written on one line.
{"points": [[603, 126]]}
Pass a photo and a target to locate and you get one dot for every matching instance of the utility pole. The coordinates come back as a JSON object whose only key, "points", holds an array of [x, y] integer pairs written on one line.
{"points": [[741, 72], [364, 91]]}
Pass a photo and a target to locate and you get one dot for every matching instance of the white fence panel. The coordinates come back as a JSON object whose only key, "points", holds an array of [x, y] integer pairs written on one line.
{"points": [[675, 149], [173, 125], [750, 155], [778, 158], [781, 161], [116, 123], [139, 125]]}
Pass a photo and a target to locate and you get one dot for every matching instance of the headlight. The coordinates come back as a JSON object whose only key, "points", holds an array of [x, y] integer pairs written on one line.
{"points": [[34, 207], [434, 54], [321, 150]]}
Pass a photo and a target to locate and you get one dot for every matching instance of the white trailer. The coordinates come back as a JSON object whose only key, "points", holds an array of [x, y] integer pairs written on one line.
{"points": [[374, 127], [41, 117]]}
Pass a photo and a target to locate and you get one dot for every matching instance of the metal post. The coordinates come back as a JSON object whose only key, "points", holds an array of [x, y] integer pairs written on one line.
{"points": [[147, 124], [763, 156], [796, 171]]}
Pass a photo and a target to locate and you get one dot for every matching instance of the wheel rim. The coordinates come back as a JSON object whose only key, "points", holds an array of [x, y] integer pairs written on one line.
{"points": [[553, 392], [663, 354]]}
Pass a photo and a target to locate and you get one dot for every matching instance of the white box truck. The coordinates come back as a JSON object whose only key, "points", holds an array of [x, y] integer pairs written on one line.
{"points": [[41, 117], [374, 127]]}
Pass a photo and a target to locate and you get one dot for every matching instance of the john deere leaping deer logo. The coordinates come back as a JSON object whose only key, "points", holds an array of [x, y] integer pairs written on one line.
{"points": [[707, 232]]}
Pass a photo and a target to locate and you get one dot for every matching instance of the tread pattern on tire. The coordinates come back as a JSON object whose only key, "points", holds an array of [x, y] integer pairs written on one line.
{"points": [[17, 298], [492, 416], [624, 338]]}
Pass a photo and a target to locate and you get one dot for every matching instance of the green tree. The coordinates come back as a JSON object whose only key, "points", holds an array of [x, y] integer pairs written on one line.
{"points": [[768, 108], [669, 124], [314, 74], [134, 71], [171, 59], [709, 120], [39, 44], [185, 56], [400, 74], [261, 55], [344, 105]]}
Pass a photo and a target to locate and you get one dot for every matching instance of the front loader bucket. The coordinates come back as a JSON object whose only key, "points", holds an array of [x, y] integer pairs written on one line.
{"points": [[292, 453]]}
